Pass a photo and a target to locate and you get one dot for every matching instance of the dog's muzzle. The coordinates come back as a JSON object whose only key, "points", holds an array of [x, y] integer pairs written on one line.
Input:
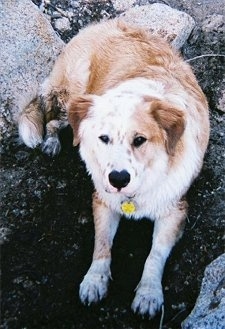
{"points": [[119, 179]]}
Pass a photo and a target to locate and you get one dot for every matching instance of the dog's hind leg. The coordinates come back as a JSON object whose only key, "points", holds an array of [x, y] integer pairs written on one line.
{"points": [[51, 144], [41, 121], [54, 99]]}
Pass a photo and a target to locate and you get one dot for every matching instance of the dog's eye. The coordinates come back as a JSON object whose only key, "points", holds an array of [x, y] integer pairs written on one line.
{"points": [[104, 139], [138, 141]]}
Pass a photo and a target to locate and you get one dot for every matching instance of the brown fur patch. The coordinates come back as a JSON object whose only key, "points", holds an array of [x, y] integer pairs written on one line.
{"points": [[171, 120], [78, 109], [102, 248]]}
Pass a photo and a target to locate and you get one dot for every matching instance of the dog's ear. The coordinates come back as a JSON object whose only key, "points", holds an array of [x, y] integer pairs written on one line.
{"points": [[77, 111], [171, 120]]}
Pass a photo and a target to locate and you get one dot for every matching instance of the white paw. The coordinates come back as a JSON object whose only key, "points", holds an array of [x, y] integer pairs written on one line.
{"points": [[30, 133], [93, 288], [148, 300], [95, 283], [51, 146]]}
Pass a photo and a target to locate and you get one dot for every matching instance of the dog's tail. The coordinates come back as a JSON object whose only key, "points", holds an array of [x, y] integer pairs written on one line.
{"points": [[31, 124]]}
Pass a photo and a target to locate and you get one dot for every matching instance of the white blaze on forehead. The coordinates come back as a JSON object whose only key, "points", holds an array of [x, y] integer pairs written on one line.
{"points": [[114, 105], [117, 105], [111, 116], [130, 93]]}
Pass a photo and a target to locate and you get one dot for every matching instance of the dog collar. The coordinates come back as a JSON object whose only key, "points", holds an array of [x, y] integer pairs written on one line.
{"points": [[128, 207]]}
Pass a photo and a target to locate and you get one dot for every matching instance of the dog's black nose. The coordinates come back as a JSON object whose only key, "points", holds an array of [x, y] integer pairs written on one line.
{"points": [[119, 179]]}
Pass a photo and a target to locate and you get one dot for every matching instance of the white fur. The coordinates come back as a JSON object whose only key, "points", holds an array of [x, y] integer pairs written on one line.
{"points": [[29, 133], [95, 283], [154, 188]]}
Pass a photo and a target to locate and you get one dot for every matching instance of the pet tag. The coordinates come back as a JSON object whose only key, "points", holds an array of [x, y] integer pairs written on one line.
{"points": [[128, 207]]}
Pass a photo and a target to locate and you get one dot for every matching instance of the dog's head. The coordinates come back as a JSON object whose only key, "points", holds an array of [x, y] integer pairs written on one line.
{"points": [[126, 141]]}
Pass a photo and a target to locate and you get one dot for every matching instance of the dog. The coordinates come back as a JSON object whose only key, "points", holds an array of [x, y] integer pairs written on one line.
{"points": [[142, 124]]}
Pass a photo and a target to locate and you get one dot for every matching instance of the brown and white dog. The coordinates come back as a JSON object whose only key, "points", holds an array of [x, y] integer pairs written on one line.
{"points": [[142, 123]]}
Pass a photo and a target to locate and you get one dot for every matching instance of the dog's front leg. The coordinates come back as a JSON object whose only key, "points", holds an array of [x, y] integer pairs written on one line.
{"points": [[95, 283], [167, 230]]}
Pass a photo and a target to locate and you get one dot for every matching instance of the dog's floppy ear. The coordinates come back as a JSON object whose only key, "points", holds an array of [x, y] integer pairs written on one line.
{"points": [[171, 120], [77, 111]]}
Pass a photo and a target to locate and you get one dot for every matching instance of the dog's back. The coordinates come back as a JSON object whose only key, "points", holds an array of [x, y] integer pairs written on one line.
{"points": [[97, 59]]}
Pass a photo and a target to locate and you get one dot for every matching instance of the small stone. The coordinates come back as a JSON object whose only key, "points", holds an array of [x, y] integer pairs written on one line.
{"points": [[221, 102], [22, 155], [62, 24], [122, 5], [213, 23], [4, 232]]}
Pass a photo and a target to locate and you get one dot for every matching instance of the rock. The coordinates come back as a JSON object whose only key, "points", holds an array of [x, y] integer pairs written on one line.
{"points": [[29, 47], [62, 24], [174, 25], [209, 310], [214, 23], [221, 102], [4, 233], [122, 5]]}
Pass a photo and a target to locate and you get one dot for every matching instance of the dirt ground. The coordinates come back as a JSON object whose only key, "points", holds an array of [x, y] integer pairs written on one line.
{"points": [[46, 206]]}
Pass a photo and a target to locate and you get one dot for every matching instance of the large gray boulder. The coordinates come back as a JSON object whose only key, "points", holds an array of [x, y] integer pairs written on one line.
{"points": [[173, 25], [29, 47], [209, 310]]}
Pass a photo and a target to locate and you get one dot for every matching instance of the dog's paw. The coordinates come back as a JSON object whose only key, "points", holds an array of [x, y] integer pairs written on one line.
{"points": [[95, 283], [94, 287], [148, 300], [51, 146]]}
